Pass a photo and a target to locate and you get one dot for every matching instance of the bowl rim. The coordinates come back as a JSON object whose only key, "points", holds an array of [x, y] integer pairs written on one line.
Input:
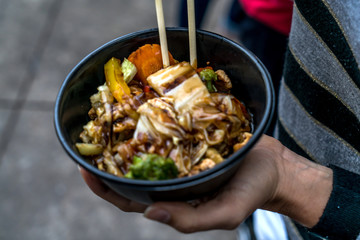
{"points": [[263, 125]]}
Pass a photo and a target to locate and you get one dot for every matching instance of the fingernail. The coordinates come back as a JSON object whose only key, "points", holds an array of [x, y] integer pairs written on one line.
{"points": [[157, 214], [78, 166]]}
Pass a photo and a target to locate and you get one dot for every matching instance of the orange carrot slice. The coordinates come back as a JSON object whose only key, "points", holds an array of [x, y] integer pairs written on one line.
{"points": [[148, 60]]}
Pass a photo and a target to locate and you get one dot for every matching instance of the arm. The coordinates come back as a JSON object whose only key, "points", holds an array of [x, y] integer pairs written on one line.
{"points": [[341, 218], [270, 177]]}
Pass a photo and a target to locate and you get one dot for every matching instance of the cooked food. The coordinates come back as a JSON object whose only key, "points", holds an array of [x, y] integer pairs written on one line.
{"points": [[152, 167], [154, 124]]}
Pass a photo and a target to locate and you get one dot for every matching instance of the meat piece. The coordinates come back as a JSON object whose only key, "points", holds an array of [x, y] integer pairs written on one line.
{"points": [[126, 124], [223, 83], [246, 137], [205, 164], [109, 165], [213, 154]]}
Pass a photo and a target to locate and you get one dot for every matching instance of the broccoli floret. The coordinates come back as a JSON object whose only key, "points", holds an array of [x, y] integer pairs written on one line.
{"points": [[152, 167], [129, 70], [209, 76]]}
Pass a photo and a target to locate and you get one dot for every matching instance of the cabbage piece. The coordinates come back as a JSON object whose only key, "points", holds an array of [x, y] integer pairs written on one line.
{"points": [[89, 149], [129, 70], [183, 84]]}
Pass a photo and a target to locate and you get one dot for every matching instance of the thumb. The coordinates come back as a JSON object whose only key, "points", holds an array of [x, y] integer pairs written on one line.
{"points": [[215, 214]]}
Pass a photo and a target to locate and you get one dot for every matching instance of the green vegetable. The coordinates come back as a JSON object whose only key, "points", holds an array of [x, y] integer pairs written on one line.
{"points": [[209, 77], [152, 167], [129, 70]]}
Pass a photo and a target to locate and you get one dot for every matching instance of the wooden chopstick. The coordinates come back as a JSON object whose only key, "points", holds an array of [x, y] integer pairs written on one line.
{"points": [[162, 33], [192, 33]]}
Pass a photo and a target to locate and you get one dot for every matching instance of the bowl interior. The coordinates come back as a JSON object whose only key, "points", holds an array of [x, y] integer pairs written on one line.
{"points": [[251, 85]]}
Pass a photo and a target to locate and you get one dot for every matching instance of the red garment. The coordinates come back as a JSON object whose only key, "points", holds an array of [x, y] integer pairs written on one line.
{"points": [[276, 14]]}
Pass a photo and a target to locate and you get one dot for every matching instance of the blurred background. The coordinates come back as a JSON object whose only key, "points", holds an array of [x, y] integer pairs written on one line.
{"points": [[42, 195]]}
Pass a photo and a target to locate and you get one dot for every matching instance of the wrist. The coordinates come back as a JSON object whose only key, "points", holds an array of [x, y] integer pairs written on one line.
{"points": [[304, 188]]}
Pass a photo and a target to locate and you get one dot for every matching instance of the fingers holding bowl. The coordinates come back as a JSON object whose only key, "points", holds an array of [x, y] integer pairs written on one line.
{"points": [[104, 192]]}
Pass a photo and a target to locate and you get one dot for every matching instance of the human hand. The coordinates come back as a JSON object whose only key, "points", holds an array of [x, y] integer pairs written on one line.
{"points": [[104, 192], [270, 177]]}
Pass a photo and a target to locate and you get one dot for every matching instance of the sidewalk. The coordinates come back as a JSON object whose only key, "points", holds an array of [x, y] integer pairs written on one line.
{"points": [[42, 196]]}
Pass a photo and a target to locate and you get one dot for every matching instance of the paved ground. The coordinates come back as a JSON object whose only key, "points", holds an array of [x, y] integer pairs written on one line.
{"points": [[42, 195]]}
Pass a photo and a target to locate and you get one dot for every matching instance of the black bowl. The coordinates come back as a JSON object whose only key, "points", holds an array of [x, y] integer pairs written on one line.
{"points": [[251, 84]]}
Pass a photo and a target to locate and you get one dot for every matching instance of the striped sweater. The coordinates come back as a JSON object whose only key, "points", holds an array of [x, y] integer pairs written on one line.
{"points": [[319, 107]]}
